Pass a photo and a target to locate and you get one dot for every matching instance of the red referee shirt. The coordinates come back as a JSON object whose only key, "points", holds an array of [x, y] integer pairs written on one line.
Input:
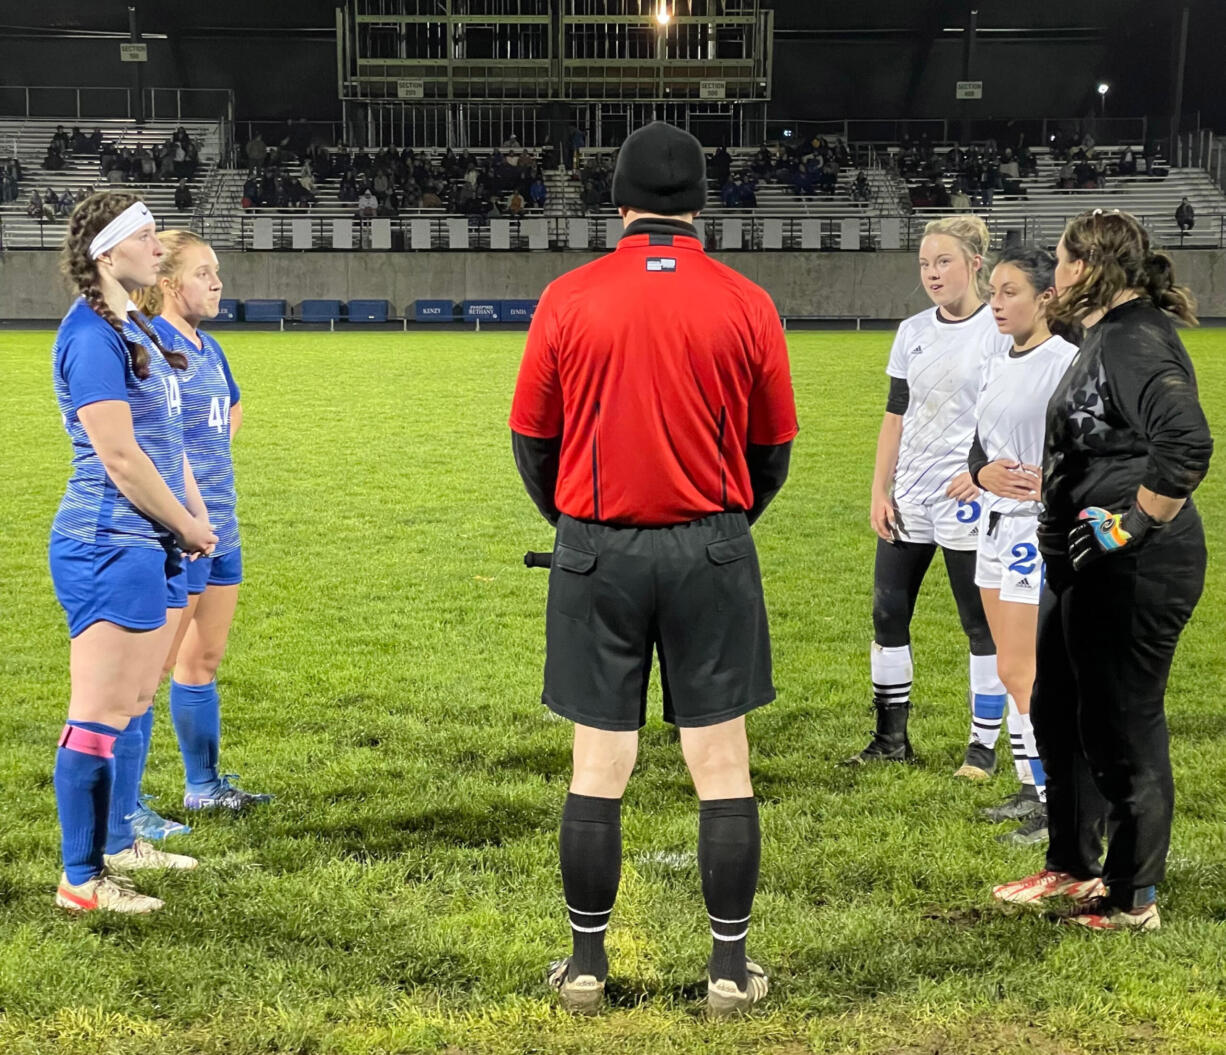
{"points": [[657, 366]]}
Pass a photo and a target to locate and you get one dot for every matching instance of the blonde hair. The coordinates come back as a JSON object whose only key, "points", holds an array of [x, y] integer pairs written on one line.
{"points": [[175, 243], [1115, 249], [971, 234]]}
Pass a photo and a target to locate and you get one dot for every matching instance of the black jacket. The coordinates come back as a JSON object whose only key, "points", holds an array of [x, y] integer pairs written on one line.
{"points": [[1125, 415]]}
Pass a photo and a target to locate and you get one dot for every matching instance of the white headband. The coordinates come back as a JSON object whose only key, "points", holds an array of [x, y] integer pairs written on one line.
{"points": [[127, 223]]}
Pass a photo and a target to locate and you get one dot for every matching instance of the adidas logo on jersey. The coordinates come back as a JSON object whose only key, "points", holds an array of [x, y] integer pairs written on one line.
{"points": [[974, 532], [1024, 584], [917, 349]]}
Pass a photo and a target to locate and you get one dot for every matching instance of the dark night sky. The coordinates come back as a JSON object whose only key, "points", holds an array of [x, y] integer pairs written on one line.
{"points": [[1127, 42]]}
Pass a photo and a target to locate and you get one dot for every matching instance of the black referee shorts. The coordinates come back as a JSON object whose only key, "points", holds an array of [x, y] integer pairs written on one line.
{"points": [[692, 592]]}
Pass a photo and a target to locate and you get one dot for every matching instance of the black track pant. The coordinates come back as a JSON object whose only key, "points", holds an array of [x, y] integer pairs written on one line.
{"points": [[897, 576], [1107, 635]]}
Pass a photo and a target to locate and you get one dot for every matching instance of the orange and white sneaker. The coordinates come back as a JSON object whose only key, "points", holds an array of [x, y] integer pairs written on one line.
{"points": [[105, 892], [1098, 913], [143, 855], [1043, 885]]}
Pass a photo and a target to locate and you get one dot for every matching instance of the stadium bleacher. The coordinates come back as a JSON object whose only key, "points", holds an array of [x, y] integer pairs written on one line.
{"points": [[27, 139]]}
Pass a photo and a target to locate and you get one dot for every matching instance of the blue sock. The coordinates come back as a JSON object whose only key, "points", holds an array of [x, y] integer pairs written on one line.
{"points": [[84, 770], [129, 749], [196, 713], [145, 721]]}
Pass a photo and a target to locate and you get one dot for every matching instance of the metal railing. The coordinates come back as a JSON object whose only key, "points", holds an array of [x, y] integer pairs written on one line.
{"points": [[109, 102]]}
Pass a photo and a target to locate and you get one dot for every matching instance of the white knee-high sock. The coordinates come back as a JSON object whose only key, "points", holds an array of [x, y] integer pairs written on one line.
{"points": [[1017, 743], [988, 698], [892, 673]]}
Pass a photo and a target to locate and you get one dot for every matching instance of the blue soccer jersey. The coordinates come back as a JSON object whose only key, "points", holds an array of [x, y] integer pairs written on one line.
{"points": [[91, 364], [209, 391]]}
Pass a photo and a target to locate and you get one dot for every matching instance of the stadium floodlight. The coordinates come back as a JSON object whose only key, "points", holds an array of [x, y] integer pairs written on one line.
{"points": [[1103, 87], [662, 13]]}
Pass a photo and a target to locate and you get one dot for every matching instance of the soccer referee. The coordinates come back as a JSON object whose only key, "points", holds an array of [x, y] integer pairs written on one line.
{"points": [[652, 424]]}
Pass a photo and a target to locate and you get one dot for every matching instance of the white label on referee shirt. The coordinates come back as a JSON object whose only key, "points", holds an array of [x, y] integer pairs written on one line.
{"points": [[661, 263]]}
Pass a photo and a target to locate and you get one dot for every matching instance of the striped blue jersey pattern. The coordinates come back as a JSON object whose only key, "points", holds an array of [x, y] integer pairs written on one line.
{"points": [[89, 363], [209, 392]]}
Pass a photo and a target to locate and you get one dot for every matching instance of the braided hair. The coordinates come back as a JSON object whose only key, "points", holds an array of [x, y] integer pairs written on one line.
{"points": [[87, 219]]}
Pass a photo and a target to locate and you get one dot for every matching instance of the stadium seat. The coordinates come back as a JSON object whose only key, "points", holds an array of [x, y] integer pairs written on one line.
{"points": [[263, 310], [432, 311], [368, 311], [320, 311]]}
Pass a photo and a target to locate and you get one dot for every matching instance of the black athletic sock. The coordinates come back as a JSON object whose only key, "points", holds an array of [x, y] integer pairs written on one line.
{"points": [[590, 848], [729, 852]]}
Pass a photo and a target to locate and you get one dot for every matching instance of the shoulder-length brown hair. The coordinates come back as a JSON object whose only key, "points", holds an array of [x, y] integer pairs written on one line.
{"points": [[1115, 249]]}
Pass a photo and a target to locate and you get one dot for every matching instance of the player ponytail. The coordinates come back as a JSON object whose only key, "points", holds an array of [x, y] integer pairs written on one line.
{"points": [[87, 219], [1115, 249], [971, 234], [170, 268]]}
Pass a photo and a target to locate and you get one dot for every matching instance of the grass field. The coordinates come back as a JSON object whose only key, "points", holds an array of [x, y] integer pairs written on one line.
{"points": [[402, 894]]}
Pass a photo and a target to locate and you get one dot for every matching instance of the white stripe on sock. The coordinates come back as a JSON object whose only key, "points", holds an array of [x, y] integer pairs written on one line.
{"points": [[715, 919], [729, 937]]}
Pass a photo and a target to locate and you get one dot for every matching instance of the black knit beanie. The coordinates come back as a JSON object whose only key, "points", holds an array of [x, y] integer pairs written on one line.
{"points": [[660, 169]]}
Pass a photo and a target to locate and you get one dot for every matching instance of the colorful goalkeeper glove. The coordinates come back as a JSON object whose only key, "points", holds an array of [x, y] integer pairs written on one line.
{"points": [[1100, 532]]}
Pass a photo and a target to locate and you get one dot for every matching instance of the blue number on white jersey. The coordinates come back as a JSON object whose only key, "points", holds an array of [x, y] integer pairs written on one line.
{"points": [[968, 512], [1025, 552]]}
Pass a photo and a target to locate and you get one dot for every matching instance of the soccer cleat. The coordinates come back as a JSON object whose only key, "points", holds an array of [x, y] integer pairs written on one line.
{"points": [[1032, 830], [147, 823], [1016, 807], [581, 995], [225, 796], [980, 762], [1046, 884], [724, 999], [1097, 913], [142, 855], [105, 892], [890, 742]]}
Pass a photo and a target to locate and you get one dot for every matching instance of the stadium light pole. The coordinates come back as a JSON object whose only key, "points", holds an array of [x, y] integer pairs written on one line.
{"points": [[1103, 89]]}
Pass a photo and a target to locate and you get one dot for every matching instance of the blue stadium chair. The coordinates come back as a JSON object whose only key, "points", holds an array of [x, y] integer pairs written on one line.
{"points": [[227, 311], [321, 311], [368, 311], [431, 311], [263, 310]]}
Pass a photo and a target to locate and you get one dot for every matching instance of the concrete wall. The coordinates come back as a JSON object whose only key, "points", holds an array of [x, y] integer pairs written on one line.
{"points": [[866, 285]]}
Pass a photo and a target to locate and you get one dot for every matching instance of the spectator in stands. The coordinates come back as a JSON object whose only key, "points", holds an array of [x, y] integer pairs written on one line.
{"points": [[390, 204], [251, 189], [860, 189], [549, 156], [730, 193], [1127, 165], [830, 175], [62, 140], [430, 197], [146, 169], [35, 209], [95, 141], [64, 204], [515, 205], [362, 163], [1066, 178], [747, 194], [1150, 156], [368, 204], [81, 195], [55, 157], [537, 192], [257, 150], [720, 166], [166, 161], [79, 141], [9, 189], [380, 184], [183, 196], [1185, 216], [511, 144]]}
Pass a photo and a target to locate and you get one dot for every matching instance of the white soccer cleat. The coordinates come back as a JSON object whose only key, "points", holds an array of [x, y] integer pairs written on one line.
{"points": [[142, 855], [107, 893]]}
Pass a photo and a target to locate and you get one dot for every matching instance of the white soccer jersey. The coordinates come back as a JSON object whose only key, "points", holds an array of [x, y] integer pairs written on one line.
{"points": [[942, 363], [1012, 411]]}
